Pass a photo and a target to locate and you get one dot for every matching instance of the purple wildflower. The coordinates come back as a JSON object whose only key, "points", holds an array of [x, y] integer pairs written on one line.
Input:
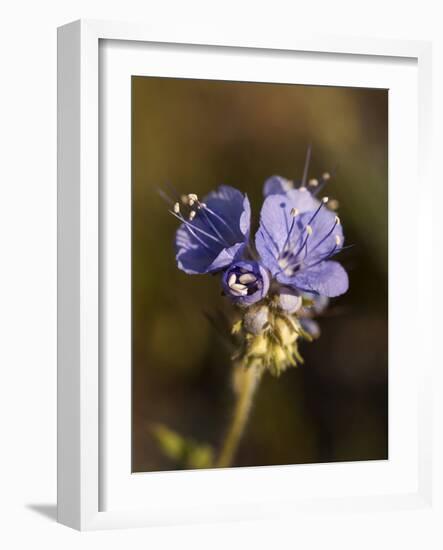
{"points": [[297, 238], [246, 282], [214, 231]]}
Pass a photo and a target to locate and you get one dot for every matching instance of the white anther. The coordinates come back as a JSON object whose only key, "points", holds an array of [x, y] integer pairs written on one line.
{"points": [[238, 287], [313, 182], [309, 230], [184, 199], [294, 212], [333, 204], [232, 279], [337, 240], [192, 197], [326, 176], [247, 278], [243, 292], [192, 214], [176, 208], [191, 202], [325, 200], [337, 220]]}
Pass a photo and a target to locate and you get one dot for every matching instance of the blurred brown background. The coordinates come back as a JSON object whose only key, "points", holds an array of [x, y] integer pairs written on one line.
{"points": [[197, 134]]}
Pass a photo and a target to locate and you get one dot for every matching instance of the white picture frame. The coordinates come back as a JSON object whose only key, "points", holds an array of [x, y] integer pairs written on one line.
{"points": [[84, 443]]}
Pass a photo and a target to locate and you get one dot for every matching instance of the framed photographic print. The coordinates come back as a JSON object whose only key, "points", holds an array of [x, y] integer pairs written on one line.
{"points": [[238, 268]]}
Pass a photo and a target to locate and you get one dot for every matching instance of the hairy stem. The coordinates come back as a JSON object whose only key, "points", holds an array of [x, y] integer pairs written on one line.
{"points": [[247, 380]]}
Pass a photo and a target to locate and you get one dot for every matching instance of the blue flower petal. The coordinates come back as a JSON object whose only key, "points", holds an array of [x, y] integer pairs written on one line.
{"points": [[226, 257], [231, 205], [217, 233], [271, 236], [327, 279], [302, 199], [327, 234], [276, 185], [245, 218]]}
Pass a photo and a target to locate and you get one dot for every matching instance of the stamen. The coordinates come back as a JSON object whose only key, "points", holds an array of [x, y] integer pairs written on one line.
{"points": [[325, 200], [172, 191], [294, 212], [208, 219], [243, 292], [189, 227], [328, 234], [165, 196], [195, 228], [323, 180], [313, 182], [192, 214], [184, 199], [309, 233], [271, 253], [219, 218], [333, 204], [176, 207], [232, 279], [306, 167], [314, 215], [238, 287], [193, 197], [270, 237], [323, 258], [247, 278], [283, 263]]}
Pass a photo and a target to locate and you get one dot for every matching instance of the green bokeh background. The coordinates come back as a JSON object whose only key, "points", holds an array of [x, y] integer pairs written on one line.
{"points": [[195, 135]]}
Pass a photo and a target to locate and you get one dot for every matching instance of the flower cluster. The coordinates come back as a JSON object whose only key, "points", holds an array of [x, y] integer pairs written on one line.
{"points": [[280, 279]]}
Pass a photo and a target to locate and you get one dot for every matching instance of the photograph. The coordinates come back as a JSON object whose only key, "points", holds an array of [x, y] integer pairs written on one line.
{"points": [[259, 274]]}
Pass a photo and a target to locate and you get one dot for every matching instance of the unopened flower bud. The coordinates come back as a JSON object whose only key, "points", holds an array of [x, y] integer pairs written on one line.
{"points": [[289, 300], [256, 319]]}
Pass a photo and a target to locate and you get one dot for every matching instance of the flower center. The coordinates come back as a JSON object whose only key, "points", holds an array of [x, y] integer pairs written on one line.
{"points": [[300, 253], [242, 282], [211, 228]]}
